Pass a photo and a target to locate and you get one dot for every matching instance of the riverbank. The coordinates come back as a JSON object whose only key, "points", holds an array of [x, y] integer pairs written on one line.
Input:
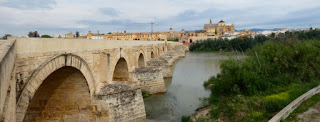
{"points": [[260, 107], [270, 77]]}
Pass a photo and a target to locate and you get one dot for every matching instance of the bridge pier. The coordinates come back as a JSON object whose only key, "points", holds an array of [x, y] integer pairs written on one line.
{"points": [[119, 102], [149, 79]]}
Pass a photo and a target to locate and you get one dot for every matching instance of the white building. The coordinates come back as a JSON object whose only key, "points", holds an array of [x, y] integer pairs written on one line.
{"points": [[98, 37]]}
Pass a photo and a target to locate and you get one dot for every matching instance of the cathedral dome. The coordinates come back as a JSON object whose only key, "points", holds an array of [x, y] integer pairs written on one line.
{"points": [[221, 21]]}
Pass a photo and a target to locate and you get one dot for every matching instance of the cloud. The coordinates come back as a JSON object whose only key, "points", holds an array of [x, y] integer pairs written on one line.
{"points": [[109, 11], [29, 4], [55, 16]]}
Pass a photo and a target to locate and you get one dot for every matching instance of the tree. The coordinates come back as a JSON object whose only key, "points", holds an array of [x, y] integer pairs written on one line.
{"points": [[6, 36], [109, 33], [273, 35], [77, 34], [46, 36], [31, 34]]}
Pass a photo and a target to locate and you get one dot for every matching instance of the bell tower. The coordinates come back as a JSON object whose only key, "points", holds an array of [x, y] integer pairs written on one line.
{"points": [[210, 22]]}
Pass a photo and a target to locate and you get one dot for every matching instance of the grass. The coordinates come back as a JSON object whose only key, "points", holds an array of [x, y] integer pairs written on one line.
{"points": [[303, 108], [185, 118], [260, 107]]}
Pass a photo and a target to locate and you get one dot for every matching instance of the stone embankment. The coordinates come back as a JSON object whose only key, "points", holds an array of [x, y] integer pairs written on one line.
{"points": [[203, 113]]}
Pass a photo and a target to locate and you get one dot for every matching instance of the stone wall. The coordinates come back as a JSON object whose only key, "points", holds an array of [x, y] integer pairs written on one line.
{"points": [[7, 62], [149, 79]]}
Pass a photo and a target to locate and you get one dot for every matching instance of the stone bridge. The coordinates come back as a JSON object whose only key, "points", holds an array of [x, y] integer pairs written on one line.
{"points": [[81, 80]]}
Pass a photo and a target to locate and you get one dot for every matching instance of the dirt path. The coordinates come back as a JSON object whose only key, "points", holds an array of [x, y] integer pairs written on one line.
{"points": [[312, 115]]}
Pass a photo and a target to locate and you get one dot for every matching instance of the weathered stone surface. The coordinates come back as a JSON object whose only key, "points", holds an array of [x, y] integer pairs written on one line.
{"points": [[123, 102], [149, 79], [64, 95], [166, 69], [7, 63]]}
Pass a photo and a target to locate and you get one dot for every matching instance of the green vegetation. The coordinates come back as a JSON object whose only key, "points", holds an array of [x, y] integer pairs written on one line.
{"points": [[213, 45], [174, 40], [5, 37], [185, 118], [237, 44], [45, 36], [77, 34], [145, 94], [273, 74], [303, 108]]}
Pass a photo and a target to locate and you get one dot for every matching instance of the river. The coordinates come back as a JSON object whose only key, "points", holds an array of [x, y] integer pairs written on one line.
{"points": [[185, 87]]}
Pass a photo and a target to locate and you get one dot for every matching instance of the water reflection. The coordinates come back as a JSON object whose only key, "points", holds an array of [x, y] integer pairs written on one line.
{"points": [[185, 88]]}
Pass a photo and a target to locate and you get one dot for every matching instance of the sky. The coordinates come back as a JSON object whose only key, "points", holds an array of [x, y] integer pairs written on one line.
{"points": [[55, 17]]}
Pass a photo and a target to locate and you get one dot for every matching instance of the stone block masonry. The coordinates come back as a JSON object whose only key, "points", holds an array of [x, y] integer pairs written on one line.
{"points": [[166, 69], [149, 79], [87, 92], [120, 102]]}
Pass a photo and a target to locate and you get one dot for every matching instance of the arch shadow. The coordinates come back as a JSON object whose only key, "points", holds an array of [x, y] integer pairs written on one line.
{"points": [[43, 71]]}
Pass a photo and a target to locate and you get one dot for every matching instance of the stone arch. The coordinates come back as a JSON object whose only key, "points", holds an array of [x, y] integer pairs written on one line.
{"points": [[43, 71], [121, 71], [66, 89], [159, 53], [152, 54], [141, 59]]}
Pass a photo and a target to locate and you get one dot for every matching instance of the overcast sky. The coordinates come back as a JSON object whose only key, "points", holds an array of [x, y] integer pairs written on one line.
{"points": [[18, 17]]}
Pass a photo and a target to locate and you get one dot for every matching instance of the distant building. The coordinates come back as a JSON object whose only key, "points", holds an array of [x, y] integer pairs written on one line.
{"points": [[209, 31], [69, 35], [218, 29], [246, 32], [95, 36], [269, 32]]}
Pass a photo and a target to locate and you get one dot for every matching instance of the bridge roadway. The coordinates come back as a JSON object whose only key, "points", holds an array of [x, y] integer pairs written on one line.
{"points": [[80, 79]]}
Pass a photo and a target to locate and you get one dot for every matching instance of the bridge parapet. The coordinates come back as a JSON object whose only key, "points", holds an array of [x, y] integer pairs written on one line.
{"points": [[7, 60]]}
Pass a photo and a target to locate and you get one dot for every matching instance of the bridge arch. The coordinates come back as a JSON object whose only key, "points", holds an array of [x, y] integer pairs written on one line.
{"points": [[43, 71], [152, 54], [141, 60], [121, 71]]}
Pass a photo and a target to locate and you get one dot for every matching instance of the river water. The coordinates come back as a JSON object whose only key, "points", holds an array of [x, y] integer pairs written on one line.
{"points": [[185, 87]]}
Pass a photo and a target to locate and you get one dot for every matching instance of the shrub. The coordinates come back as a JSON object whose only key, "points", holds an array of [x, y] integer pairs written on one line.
{"points": [[276, 102], [185, 118], [46, 36], [271, 75]]}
